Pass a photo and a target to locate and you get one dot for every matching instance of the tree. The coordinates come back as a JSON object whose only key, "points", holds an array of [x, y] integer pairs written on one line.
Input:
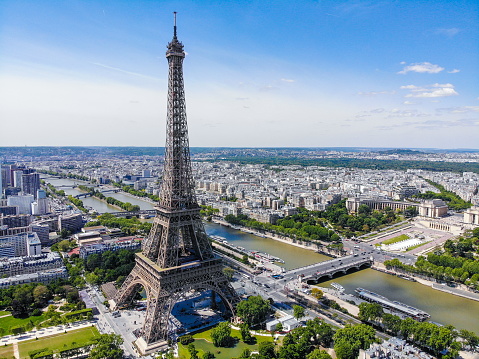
{"points": [[41, 295], [22, 299], [317, 293], [298, 311], [192, 350], [318, 354], [470, 338], [107, 346], [228, 272], [364, 210], [350, 339], [221, 335], [370, 311], [245, 333], [186, 339], [65, 245], [266, 350], [208, 355], [246, 353], [279, 327], [253, 310]]}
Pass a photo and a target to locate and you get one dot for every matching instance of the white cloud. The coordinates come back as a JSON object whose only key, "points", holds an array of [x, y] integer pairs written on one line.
{"points": [[409, 87], [422, 67], [443, 85], [288, 80], [434, 90], [448, 32], [408, 103], [440, 92], [455, 71]]}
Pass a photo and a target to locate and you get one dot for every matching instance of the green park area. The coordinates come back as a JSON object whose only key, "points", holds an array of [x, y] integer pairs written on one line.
{"points": [[399, 238], [203, 343], [7, 322], [6, 351], [59, 342]]}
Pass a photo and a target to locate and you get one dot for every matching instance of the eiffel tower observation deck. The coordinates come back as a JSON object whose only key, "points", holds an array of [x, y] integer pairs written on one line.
{"points": [[177, 257]]}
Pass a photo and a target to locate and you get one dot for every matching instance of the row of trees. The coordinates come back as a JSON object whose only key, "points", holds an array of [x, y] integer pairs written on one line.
{"points": [[453, 201], [127, 206], [138, 193], [78, 203], [441, 341]]}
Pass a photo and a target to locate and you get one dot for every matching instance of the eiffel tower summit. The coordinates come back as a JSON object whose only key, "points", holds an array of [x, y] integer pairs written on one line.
{"points": [[177, 257]]}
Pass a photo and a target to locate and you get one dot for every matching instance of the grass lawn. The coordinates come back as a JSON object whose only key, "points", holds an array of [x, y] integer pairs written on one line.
{"points": [[400, 238], [60, 341], [6, 351], [9, 322], [203, 343], [2, 313]]}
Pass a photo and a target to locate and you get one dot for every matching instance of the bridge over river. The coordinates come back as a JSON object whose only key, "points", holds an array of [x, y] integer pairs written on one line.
{"points": [[326, 270], [143, 212], [88, 194]]}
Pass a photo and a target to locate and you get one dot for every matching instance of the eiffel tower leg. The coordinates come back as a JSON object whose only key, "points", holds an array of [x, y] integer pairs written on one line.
{"points": [[213, 300], [128, 289]]}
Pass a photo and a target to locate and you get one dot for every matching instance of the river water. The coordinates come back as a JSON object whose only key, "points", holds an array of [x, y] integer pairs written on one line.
{"points": [[444, 308], [99, 206]]}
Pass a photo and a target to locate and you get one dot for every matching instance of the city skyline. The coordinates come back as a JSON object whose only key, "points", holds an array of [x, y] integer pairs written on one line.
{"points": [[316, 74]]}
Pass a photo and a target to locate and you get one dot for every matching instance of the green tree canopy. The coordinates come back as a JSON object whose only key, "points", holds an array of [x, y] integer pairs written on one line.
{"points": [[253, 310], [107, 346]]}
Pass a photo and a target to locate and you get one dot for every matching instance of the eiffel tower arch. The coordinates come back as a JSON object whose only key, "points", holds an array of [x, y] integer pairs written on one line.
{"points": [[177, 256]]}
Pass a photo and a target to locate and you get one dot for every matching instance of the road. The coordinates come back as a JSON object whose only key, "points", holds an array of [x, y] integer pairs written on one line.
{"points": [[123, 325]]}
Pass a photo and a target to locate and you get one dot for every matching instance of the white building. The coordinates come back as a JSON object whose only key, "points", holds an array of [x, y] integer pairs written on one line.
{"points": [[24, 203]]}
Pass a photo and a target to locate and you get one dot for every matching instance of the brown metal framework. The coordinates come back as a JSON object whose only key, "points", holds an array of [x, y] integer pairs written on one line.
{"points": [[177, 256]]}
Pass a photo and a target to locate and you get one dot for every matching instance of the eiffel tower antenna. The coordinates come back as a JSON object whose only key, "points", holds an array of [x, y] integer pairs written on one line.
{"points": [[177, 256], [174, 28]]}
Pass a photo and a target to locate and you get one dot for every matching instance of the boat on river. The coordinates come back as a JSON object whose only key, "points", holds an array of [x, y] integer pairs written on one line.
{"points": [[384, 302], [338, 287]]}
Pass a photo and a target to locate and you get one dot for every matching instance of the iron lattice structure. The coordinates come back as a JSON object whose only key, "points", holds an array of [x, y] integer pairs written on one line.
{"points": [[177, 256]]}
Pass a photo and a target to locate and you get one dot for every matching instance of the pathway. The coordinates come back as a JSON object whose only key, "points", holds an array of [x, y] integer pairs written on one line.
{"points": [[16, 352]]}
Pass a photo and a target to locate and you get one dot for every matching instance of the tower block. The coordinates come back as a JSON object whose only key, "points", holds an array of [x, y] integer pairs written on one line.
{"points": [[177, 256]]}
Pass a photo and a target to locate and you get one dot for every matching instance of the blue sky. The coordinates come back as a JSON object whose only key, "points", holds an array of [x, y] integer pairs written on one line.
{"points": [[257, 73]]}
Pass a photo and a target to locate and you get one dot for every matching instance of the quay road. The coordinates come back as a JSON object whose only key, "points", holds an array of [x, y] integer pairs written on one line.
{"points": [[378, 254], [331, 267]]}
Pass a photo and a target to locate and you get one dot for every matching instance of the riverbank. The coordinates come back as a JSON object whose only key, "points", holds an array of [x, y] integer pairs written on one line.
{"points": [[460, 292], [310, 246]]}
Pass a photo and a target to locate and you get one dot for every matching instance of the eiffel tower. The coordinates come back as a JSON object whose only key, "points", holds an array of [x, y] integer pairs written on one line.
{"points": [[177, 257]]}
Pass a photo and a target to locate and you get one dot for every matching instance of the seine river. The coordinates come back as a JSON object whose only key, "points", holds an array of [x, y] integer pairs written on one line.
{"points": [[444, 308]]}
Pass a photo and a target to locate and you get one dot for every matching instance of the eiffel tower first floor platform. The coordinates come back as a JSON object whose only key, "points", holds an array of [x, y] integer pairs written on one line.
{"points": [[164, 288]]}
